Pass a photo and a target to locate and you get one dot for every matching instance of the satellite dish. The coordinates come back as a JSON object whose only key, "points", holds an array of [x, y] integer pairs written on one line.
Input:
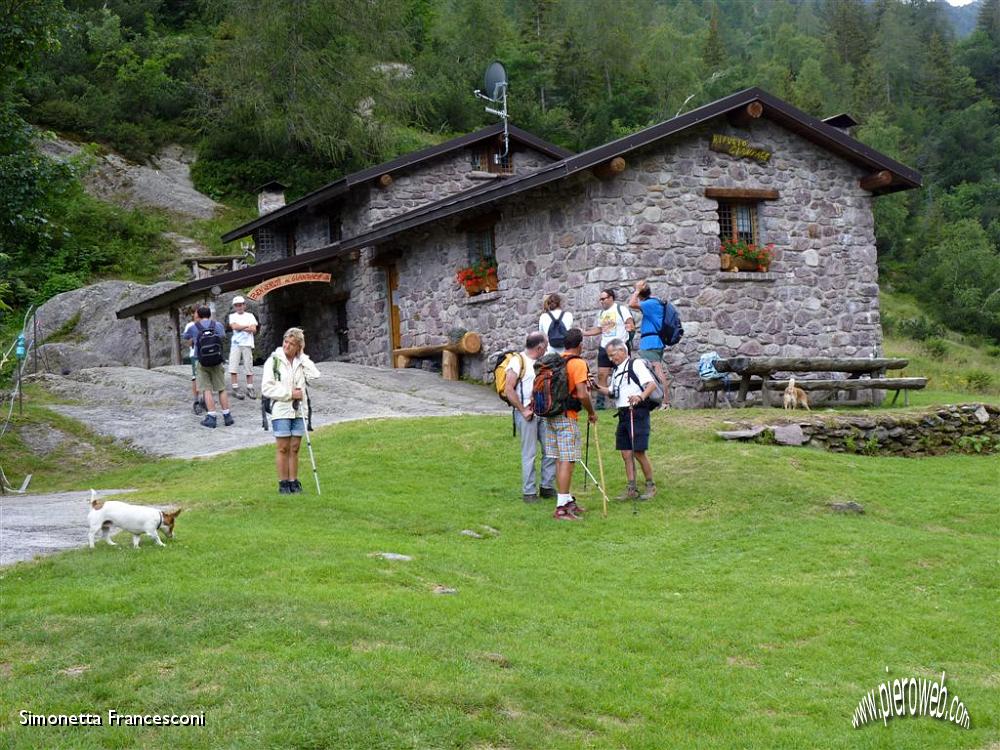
{"points": [[495, 80], [495, 85]]}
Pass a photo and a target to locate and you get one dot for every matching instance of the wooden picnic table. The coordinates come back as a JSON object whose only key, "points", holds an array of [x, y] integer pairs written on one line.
{"points": [[864, 373]]}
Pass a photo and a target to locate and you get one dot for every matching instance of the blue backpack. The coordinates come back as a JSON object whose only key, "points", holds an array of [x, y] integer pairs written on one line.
{"points": [[671, 330]]}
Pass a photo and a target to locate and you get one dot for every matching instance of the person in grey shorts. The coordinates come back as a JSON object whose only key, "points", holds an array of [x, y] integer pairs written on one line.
{"points": [[211, 377], [520, 379]]}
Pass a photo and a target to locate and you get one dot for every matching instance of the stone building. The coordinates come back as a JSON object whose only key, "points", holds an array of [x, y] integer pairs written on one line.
{"points": [[654, 204]]}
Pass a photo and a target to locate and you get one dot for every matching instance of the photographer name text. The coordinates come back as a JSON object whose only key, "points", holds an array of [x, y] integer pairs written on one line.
{"points": [[111, 718]]}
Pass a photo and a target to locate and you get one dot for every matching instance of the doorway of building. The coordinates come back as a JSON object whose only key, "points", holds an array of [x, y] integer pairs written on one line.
{"points": [[392, 284]]}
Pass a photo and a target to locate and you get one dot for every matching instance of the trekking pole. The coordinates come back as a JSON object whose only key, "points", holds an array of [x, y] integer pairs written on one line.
{"points": [[631, 425], [586, 454], [312, 457], [596, 484], [600, 467]]}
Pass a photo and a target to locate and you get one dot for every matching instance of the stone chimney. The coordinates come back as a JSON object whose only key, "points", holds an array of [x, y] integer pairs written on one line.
{"points": [[270, 197]]}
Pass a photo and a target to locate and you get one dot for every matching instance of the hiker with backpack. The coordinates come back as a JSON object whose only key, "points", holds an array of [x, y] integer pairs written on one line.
{"points": [[287, 372], [635, 392], [208, 336], [661, 327], [614, 322], [517, 371], [199, 404], [561, 391], [554, 323]]}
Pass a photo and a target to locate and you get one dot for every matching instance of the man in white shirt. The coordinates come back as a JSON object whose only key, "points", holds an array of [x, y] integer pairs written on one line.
{"points": [[517, 389], [614, 322], [243, 325], [632, 383]]}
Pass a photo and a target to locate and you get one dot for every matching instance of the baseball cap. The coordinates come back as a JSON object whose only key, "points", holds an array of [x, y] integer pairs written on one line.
{"points": [[238, 300]]}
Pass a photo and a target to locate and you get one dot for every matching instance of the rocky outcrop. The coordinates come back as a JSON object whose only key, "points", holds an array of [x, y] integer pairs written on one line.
{"points": [[78, 329], [164, 183], [961, 428]]}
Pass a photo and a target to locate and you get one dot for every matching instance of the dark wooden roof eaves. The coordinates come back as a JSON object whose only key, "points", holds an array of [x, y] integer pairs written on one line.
{"points": [[230, 281], [338, 187]]}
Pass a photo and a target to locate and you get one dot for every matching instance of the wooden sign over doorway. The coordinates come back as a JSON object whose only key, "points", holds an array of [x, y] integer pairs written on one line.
{"points": [[258, 292]]}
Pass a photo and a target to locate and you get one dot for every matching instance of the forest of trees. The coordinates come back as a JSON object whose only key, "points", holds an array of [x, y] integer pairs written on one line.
{"points": [[306, 90]]}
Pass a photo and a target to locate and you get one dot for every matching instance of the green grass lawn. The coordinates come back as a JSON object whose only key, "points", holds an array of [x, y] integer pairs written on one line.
{"points": [[734, 611]]}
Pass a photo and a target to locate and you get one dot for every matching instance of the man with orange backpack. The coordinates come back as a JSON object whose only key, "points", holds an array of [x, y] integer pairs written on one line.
{"points": [[519, 379], [560, 392]]}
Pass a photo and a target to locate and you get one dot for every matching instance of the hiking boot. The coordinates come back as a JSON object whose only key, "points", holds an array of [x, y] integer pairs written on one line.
{"points": [[650, 492], [199, 408], [295, 486], [529, 497], [284, 487], [209, 421], [547, 492], [251, 392], [630, 493], [238, 393], [228, 420], [564, 514]]}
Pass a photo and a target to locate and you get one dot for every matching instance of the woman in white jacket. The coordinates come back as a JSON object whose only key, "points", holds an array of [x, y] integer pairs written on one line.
{"points": [[286, 373]]}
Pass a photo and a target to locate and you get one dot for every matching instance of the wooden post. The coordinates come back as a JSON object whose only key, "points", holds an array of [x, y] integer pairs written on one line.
{"points": [[743, 117], [876, 180], [744, 387], [175, 325], [385, 181], [609, 169], [449, 365], [144, 326]]}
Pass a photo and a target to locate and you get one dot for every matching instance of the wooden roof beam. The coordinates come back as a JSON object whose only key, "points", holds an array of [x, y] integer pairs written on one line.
{"points": [[384, 181], [876, 180], [610, 168], [741, 118], [745, 194]]}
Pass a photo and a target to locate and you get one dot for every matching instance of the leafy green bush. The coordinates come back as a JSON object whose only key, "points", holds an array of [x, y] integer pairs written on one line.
{"points": [[936, 348], [920, 328], [977, 380]]}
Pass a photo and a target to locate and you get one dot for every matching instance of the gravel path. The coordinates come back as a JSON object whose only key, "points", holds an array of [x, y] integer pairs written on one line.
{"points": [[151, 411]]}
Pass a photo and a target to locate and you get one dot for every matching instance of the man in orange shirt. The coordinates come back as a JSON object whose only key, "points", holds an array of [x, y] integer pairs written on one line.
{"points": [[562, 439]]}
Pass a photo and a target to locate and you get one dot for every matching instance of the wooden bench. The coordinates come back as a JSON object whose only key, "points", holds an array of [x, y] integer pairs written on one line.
{"points": [[756, 373], [470, 343]]}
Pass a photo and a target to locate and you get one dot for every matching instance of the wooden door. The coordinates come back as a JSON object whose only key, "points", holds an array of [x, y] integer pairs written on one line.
{"points": [[392, 284]]}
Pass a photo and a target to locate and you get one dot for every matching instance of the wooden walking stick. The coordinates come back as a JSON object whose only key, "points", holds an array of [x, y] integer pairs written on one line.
{"points": [[600, 469], [586, 455]]}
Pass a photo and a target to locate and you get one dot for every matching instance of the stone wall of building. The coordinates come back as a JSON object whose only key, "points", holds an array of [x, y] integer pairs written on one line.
{"points": [[438, 179], [312, 232], [653, 221]]}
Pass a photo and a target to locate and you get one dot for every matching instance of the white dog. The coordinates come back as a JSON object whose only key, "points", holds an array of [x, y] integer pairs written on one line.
{"points": [[137, 519]]}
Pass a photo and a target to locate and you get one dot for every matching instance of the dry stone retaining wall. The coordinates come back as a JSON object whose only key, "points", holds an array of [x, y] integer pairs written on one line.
{"points": [[965, 428]]}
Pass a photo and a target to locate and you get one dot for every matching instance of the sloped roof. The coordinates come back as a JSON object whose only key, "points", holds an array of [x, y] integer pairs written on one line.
{"points": [[811, 128], [406, 161]]}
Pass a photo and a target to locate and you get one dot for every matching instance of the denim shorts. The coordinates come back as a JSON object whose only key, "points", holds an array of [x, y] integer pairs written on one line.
{"points": [[283, 428]]}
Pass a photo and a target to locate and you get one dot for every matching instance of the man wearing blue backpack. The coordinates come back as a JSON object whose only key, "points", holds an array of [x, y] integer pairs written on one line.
{"points": [[207, 337], [660, 328]]}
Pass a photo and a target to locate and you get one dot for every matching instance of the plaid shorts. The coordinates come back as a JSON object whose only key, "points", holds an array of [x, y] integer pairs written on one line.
{"points": [[562, 439]]}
